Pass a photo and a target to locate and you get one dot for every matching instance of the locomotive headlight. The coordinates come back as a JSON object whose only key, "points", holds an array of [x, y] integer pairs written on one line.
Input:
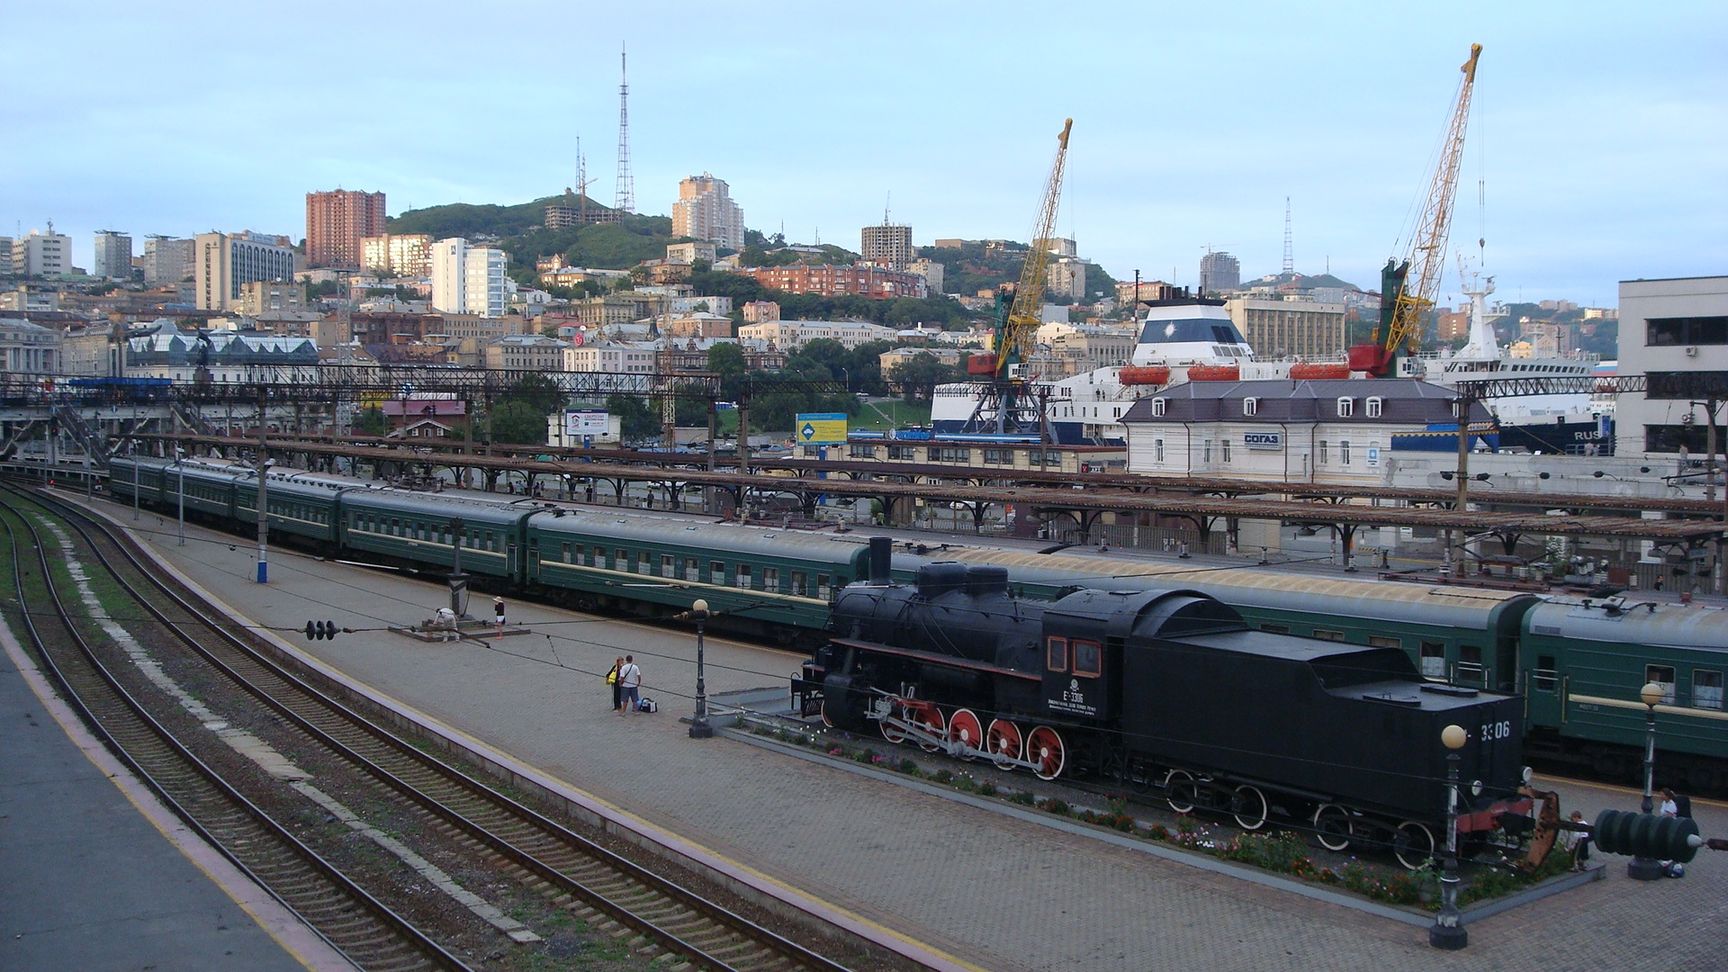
{"points": [[1475, 788]]}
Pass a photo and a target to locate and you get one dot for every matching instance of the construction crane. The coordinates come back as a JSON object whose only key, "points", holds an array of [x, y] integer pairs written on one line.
{"points": [[1402, 306], [1003, 404]]}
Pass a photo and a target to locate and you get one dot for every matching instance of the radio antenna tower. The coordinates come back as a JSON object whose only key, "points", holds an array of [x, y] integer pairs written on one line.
{"points": [[581, 185], [626, 199], [1289, 257]]}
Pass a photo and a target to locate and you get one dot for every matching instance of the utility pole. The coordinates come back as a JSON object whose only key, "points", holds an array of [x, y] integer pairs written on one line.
{"points": [[263, 462]]}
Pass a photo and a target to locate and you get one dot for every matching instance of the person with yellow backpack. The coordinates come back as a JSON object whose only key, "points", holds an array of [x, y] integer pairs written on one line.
{"points": [[617, 690]]}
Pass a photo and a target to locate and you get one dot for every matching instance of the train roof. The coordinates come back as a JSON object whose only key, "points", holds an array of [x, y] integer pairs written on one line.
{"points": [[729, 537], [1623, 621], [1346, 670], [435, 504]]}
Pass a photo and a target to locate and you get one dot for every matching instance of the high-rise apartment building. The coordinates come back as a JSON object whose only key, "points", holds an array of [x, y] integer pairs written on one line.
{"points": [[5, 256], [1219, 271], [1306, 329], [705, 211], [887, 245], [42, 254], [468, 279], [221, 262], [336, 222], [166, 260], [113, 256], [1067, 278], [398, 254]]}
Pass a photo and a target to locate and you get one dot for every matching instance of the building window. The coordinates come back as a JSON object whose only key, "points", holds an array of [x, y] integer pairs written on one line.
{"points": [[1344, 452], [1665, 332], [1662, 675], [1206, 451], [904, 453], [1375, 407], [1158, 407], [1157, 450], [861, 452], [1226, 445], [1707, 689], [998, 457], [1346, 407], [1250, 406], [1323, 458]]}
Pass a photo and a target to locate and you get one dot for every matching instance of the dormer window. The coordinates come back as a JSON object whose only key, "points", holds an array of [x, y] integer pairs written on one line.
{"points": [[1375, 407], [1250, 406], [1158, 406], [1346, 407]]}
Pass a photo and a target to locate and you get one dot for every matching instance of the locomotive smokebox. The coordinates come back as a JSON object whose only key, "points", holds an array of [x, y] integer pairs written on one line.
{"points": [[881, 560]]}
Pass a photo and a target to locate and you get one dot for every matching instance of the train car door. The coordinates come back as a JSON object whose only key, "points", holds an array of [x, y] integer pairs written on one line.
{"points": [[1544, 690]]}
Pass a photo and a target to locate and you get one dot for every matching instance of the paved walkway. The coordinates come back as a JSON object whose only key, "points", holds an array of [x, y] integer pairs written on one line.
{"points": [[997, 892]]}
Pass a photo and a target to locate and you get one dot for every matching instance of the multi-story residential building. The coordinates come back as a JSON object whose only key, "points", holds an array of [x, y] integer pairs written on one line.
{"points": [[260, 296], [690, 252], [1061, 246], [1067, 278], [888, 245], [336, 222], [699, 325], [468, 279], [1074, 349], [29, 349], [832, 281], [42, 254], [705, 211], [571, 276], [1304, 329], [1676, 333], [525, 352], [397, 254], [222, 262], [113, 256], [931, 271], [790, 335], [697, 304], [167, 260], [1219, 271], [620, 308], [616, 357], [758, 311], [1148, 290], [6, 256], [93, 349]]}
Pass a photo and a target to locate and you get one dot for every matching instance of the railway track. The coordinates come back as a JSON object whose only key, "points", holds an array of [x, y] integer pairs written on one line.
{"points": [[658, 917]]}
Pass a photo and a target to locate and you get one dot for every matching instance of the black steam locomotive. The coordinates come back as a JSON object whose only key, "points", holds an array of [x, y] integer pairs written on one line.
{"points": [[1168, 691]]}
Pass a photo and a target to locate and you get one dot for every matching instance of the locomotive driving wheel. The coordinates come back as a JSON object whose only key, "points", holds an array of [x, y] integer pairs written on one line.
{"points": [[930, 718], [1413, 844], [967, 732], [890, 732], [1181, 791], [1332, 827], [1248, 806], [1044, 747], [1006, 743]]}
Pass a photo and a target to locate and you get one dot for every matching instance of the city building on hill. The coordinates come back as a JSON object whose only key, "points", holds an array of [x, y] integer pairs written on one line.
{"points": [[468, 279], [931, 271], [832, 281], [620, 308], [227, 357], [1148, 290], [1061, 246], [690, 252], [1305, 329], [42, 254], [29, 349], [113, 256], [525, 352], [1066, 349], [705, 211], [888, 245], [615, 357], [1067, 278], [222, 262], [6, 256], [757, 311], [336, 222], [1219, 271], [699, 324], [791, 335], [890, 360], [167, 260], [571, 276], [259, 296], [1676, 333], [397, 254]]}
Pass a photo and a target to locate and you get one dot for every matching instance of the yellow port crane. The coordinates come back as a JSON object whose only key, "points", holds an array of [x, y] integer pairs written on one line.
{"points": [[1003, 405], [1401, 306]]}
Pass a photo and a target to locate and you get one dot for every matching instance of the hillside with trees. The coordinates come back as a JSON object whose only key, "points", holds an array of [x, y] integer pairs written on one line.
{"points": [[974, 267]]}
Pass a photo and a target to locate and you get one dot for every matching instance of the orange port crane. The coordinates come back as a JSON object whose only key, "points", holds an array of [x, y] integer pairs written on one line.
{"points": [[1003, 405], [1402, 306]]}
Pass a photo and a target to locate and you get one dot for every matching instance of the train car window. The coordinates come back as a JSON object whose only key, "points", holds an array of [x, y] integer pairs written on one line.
{"points": [[1433, 659], [692, 569], [1662, 675], [1707, 689], [716, 572], [771, 578], [1470, 670], [1544, 676], [1088, 659], [1275, 628], [1382, 641], [823, 588], [1056, 654], [644, 562], [564, 552], [744, 578], [798, 583], [620, 559], [599, 557], [668, 566], [1326, 634]]}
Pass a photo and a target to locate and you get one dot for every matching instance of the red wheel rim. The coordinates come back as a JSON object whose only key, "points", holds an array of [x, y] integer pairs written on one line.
{"points": [[1045, 748], [965, 729], [1005, 743], [890, 733], [931, 719]]}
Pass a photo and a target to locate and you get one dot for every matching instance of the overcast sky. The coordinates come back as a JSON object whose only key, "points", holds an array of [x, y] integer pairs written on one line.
{"points": [[1599, 134]]}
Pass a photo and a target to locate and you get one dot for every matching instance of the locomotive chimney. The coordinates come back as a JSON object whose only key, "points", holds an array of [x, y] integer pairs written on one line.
{"points": [[881, 558]]}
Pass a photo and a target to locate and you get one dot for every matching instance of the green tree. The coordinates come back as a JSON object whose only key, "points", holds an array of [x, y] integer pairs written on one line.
{"points": [[537, 392], [517, 422], [635, 419], [727, 360], [370, 422], [919, 376]]}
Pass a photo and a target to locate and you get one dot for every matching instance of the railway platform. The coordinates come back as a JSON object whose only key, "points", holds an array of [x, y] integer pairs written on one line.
{"points": [[958, 886], [100, 875]]}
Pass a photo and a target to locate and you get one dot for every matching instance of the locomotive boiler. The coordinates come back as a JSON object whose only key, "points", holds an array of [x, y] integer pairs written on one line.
{"points": [[1168, 690]]}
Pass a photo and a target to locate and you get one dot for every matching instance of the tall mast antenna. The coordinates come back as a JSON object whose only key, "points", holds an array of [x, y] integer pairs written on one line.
{"points": [[1289, 254], [625, 201]]}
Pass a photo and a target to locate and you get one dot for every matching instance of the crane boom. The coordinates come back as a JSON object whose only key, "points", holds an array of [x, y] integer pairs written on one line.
{"points": [[1023, 317], [1401, 322]]}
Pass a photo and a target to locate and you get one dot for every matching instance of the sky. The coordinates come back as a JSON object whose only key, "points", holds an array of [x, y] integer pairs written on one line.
{"points": [[1597, 149]]}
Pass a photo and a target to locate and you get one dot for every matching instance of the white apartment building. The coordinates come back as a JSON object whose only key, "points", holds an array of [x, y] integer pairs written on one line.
{"points": [[1296, 328], [468, 279], [1675, 332], [222, 262], [705, 211], [790, 335], [166, 260], [615, 357], [42, 254], [690, 252], [113, 256]]}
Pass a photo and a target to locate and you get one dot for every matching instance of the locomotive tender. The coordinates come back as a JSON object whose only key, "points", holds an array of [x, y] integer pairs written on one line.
{"points": [[1167, 688]]}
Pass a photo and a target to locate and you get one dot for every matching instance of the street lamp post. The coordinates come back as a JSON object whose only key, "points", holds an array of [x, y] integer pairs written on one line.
{"points": [[1448, 931], [180, 463], [699, 727], [132, 450], [1643, 868]]}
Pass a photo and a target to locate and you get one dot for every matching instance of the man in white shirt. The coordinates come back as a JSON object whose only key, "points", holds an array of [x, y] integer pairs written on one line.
{"points": [[629, 685]]}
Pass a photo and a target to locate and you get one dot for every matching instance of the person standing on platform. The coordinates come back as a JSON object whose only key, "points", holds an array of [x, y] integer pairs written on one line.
{"points": [[629, 685], [1670, 808], [498, 615], [612, 680]]}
